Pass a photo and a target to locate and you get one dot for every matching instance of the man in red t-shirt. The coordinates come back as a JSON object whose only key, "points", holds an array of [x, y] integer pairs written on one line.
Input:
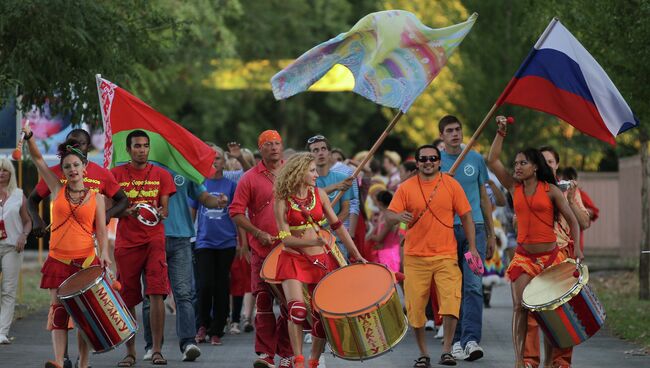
{"points": [[252, 210], [97, 179], [140, 248]]}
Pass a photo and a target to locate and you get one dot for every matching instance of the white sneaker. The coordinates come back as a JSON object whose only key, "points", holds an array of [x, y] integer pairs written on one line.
{"points": [[473, 351], [307, 338], [457, 351], [4, 340], [234, 329], [440, 334], [191, 352], [321, 361], [147, 354], [429, 325]]}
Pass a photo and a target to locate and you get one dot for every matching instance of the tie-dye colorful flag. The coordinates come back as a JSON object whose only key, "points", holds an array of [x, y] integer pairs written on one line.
{"points": [[392, 55]]}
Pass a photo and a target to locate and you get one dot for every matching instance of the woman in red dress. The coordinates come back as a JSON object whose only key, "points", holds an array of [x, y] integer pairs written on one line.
{"points": [[78, 219], [300, 210]]}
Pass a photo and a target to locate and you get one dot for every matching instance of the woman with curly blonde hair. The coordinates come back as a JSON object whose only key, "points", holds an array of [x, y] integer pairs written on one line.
{"points": [[300, 210]]}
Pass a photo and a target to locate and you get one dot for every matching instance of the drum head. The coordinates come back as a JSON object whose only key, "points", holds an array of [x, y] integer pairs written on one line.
{"points": [[270, 266], [354, 289], [554, 285], [79, 282]]}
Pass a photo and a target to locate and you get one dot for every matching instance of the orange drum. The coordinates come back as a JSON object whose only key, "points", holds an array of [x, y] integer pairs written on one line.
{"points": [[268, 272], [360, 311]]}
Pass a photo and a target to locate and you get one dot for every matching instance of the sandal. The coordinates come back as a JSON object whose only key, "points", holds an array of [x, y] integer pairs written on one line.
{"points": [[422, 362], [51, 364], [447, 359], [158, 359], [127, 361]]}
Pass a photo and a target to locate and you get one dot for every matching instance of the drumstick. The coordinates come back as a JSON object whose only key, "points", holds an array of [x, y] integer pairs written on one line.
{"points": [[18, 152]]}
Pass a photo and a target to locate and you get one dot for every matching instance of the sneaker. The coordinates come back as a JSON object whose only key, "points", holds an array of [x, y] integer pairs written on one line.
{"points": [[321, 361], [234, 329], [67, 363], [215, 340], [457, 351], [191, 352], [4, 340], [429, 325], [286, 363], [473, 351], [248, 326], [307, 338], [440, 334], [147, 355], [201, 335], [422, 362], [264, 361]]}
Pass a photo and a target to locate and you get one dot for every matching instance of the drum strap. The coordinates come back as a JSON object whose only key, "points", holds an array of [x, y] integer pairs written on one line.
{"points": [[536, 257], [85, 264]]}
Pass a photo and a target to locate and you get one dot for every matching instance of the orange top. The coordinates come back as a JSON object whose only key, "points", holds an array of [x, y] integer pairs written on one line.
{"points": [[535, 216], [72, 228], [433, 233]]}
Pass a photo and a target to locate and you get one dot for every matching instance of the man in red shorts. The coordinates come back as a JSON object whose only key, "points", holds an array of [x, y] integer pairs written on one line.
{"points": [[254, 196], [139, 248]]}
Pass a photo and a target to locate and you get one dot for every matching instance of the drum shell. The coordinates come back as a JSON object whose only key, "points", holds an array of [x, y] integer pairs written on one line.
{"points": [[368, 332], [366, 335], [98, 311], [573, 322], [573, 314]]}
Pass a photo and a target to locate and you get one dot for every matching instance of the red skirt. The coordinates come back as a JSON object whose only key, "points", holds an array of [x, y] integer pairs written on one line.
{"points": [[55, 272], [240, 277], [304, 268]]}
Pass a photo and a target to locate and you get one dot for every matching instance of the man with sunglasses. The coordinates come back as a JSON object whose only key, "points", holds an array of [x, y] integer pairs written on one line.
{"points": [[332, 182], [472, 174], [427, 203]]}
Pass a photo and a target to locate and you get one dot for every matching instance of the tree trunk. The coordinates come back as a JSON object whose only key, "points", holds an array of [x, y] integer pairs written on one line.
{"points": [[644, 261]]}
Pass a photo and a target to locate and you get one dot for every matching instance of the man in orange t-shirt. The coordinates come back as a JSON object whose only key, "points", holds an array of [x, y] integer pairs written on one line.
{"points": [[427, 202]]}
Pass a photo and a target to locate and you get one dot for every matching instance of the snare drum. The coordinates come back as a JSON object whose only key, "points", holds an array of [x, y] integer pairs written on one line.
{"points": [[147, 214], [360, 311], [96, 309], [565, 307]]}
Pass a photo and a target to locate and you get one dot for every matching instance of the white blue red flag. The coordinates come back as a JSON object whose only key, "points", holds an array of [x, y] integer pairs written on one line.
{"points": [[561, 78]]}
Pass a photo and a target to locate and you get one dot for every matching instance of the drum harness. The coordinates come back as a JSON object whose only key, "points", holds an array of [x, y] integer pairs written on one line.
{"points": [[306, 213], [427, 203]]}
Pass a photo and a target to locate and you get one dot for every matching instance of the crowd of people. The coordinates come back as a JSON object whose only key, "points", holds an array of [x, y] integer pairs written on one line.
{"points": [[206, 254]]}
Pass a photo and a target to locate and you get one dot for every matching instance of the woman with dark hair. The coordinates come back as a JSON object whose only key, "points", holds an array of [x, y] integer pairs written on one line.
{"points": [[78, 218], [537, 203]]}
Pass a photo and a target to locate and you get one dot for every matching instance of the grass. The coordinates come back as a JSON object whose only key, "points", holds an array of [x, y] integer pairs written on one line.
{"points": [[30, 296], [627, 316]]}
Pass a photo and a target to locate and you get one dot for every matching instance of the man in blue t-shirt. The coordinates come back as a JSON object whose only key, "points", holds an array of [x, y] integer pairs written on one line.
{"points": [[472, 174], [330, 181], [179, 228]]}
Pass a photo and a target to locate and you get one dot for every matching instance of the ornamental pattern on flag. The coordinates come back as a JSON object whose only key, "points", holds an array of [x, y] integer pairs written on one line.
{"points": [[392, 55]]}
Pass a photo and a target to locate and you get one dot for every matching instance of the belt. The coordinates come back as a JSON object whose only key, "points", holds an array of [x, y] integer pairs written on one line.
{"points": [[535, 257]]}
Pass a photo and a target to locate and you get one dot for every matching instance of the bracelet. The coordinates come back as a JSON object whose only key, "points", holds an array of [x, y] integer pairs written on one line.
{"points": [[29, 136], [336, 225], [501, 133], [283, 234]]}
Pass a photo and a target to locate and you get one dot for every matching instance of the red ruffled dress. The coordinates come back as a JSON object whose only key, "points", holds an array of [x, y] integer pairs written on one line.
{"points": [[293, 264]]}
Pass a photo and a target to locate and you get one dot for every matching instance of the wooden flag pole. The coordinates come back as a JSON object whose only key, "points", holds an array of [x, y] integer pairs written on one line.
{"points": [[472, 140], [372, 151]]}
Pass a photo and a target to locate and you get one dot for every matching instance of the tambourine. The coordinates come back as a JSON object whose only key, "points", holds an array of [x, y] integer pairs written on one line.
{"points": [[147, 214]]}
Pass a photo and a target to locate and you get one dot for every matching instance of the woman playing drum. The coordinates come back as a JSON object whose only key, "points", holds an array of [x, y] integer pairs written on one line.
{"points": [[78, 218], [537, 201], [300, 208]]}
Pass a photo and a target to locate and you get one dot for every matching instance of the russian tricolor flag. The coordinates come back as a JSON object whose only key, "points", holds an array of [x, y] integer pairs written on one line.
{"points": [[561, 78]]}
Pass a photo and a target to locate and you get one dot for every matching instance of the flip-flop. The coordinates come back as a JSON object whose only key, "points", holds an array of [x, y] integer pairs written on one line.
{"points": [[158, 359], [447, 359], [51, 364], [127, 361]]}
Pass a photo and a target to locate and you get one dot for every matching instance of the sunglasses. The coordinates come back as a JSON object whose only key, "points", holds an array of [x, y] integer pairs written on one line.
{"points": [[316, 138], [424, 159]]}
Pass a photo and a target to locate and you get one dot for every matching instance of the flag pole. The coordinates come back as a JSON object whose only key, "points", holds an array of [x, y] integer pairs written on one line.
{"points": [[498, 103], [372, 151]]}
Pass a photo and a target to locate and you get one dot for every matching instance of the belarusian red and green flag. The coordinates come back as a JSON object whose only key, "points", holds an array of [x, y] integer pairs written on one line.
{"points": [[171, 144]]}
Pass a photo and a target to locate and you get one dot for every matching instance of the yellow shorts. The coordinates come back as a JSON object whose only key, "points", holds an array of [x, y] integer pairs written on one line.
{"points": [[418, 272]]}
